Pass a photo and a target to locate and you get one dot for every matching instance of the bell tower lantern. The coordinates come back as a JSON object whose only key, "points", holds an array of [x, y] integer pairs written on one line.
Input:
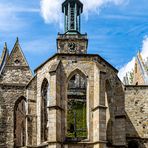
{"points": [[72, 10], [72, 41]]}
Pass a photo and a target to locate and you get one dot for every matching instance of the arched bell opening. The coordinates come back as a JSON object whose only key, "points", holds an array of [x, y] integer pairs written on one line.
{"points": [[20, 122], [44, 114], [76, 107]]}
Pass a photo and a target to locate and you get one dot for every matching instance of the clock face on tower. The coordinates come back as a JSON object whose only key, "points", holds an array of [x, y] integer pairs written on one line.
{"points": [[72, 43], [71, 46]]}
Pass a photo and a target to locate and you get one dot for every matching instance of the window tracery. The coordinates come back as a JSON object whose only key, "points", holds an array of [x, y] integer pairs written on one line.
{"points": [[76, 108], [44, 114]]}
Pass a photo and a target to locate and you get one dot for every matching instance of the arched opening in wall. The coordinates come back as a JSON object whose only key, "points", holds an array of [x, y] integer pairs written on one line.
{"points": [[20, 122], [44, 115], [76, 107], [133, 144], [108, 99]]}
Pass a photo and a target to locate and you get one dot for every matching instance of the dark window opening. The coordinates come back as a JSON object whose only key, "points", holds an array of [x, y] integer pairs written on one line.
{"points": [[76, 113], [20, 123], [133, 144], [44, 117], [17, 62]]}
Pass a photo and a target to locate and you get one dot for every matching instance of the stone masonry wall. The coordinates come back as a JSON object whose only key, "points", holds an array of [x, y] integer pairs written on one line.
{"points": [[58, 71], [31, 112], [8, 96], [13, 81], [136, 106]]}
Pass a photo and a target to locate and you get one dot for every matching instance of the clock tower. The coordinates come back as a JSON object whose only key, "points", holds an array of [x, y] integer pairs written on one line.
{"points": [[72, 41]]}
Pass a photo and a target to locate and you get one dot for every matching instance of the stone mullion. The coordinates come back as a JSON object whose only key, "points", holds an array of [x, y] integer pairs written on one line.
{"points": [[65, 19], [75, 16], [69, 17]]}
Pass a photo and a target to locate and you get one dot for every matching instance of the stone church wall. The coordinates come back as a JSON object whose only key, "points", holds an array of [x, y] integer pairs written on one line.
{"points": [[136, 107], [8, 96], [18, 75], [13, 81], [96, 108], [31, 112], [41, 74]]}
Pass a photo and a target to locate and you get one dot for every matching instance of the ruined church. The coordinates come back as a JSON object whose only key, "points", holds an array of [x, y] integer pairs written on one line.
{"points": [[74, 99]]}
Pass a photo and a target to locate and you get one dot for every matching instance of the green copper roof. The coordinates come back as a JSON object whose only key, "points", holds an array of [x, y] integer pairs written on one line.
{"points": [[70, 1]]}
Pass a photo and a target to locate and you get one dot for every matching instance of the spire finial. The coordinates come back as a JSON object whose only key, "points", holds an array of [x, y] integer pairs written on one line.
{"points": [[5, 45], [17, 40]]}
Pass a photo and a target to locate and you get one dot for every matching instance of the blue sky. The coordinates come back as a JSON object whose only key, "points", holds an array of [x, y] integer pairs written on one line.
{"points": [[116, 28]]}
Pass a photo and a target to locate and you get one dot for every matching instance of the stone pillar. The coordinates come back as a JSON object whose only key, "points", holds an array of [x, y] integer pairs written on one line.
{"points": [[99, 111], [69, 16], [79, 19], [95, 109], [119, 132], [75, 16], [65, 19], [54, 114]]}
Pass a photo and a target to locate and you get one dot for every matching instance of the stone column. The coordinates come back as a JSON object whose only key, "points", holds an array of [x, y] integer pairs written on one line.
{"points": [[54, 113], [95, 109], [99, 110]]}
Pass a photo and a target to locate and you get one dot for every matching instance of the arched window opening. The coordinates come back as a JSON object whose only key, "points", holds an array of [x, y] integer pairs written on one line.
{"points": [[108, 97], [44, 115], [20, 123], [76, 108], [133, 144]]}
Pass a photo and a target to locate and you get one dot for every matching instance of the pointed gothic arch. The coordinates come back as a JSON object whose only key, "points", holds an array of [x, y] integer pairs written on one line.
{"points": [[76, 105], [20, 122], [44, 114], [76, 71]]}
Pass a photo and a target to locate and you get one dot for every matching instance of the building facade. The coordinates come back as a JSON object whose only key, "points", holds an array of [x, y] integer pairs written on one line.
{"points": [[139, 74], [74, 100]]}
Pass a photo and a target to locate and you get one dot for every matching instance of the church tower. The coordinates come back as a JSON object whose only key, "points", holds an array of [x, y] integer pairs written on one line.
{"points": [[72, 41]]}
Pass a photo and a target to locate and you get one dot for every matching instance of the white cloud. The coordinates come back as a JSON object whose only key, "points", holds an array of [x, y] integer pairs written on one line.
{"points": [[94, 6], [130, 65], [126, 68], [51, 10], [9, 19], [144, 52]]}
